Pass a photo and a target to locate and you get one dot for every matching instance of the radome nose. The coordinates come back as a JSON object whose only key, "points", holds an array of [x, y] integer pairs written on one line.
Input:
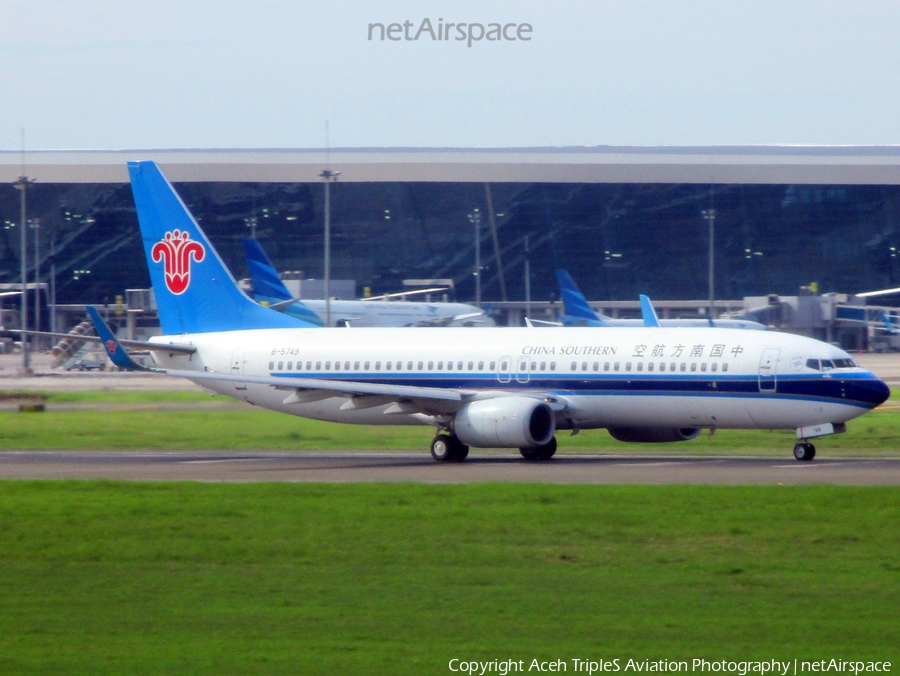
{"points": [[873, 391]]}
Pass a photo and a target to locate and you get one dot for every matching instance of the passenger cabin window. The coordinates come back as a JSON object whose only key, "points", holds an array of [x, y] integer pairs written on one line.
{"points": [[290, 366], [318, 366], [649, 366], [724, 367], [481, 366], [356, 366], [552, 365], [271, 365], [309, 366], [627, 365], [430, 365], [281, 366], [703, 366], [693, 366], [534, 366], [377, 365], [459, 366], [596, 366], [683, 367], [387, 366], [346, 365], [409, 366], [337, 366], [440, 366], [606, 366], [574, 365], [616, 367], [543, 366], [714, 367], [449, 366], [366, 366], [421, 365], [493, 364], [471, 365]]}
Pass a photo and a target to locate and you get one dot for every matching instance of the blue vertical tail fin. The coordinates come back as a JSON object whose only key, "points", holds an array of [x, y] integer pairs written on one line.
{"points": [[648, 313], [268, 288], [263, 276], [195, 292], [575, 305]]}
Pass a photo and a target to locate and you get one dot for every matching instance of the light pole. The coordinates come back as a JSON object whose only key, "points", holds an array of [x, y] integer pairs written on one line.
{"points": [[22, 185], [36, 225], [527, 280], [52, 277], [475, 219], [330, 177], [710, 216]]}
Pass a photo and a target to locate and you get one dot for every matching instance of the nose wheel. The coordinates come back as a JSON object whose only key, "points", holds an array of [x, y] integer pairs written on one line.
{"points": [[804, 451]]}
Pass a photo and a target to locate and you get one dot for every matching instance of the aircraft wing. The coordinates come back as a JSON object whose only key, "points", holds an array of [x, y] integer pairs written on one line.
{"points": [[406, 399]]}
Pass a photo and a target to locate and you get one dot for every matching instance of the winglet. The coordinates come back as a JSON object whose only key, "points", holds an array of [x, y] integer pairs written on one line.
{"points": [[648, 313], [116, 353]]}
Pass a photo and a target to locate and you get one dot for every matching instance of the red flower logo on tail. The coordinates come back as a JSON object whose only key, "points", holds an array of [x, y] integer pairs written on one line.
{"points": [[111, 345], [176, 251]]}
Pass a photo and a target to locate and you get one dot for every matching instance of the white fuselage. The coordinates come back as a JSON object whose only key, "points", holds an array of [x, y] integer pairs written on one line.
{"points": [[654, 377]]}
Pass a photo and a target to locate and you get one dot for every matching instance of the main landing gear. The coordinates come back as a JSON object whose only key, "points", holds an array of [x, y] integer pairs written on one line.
{"points": [[448, 448], [544, 452], [804, 451]]}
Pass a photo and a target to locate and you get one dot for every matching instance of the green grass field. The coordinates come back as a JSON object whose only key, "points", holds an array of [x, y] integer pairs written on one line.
{"points": [[117, 578], [106, 420]]}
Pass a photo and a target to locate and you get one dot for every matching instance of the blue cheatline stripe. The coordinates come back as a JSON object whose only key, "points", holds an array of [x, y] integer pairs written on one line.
{"points": [[860, 390]]}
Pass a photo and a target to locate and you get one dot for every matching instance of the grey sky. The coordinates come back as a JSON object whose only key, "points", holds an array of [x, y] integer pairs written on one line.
{"points": [[200, 74]]}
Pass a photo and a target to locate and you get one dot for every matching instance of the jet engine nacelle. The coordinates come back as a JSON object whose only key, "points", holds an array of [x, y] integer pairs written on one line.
{"points": [[505, 422], [653, 435]]}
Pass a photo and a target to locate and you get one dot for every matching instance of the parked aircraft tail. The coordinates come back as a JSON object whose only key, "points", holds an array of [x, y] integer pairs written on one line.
{"points": [[268, 288], [195, 292], [575, 305]]}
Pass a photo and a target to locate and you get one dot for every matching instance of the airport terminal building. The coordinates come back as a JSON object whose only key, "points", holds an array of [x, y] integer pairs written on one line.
{"points": [[621, 220]]}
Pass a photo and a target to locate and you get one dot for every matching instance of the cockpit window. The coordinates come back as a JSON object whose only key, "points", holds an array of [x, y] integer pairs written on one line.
{"points": [[829, 364]]}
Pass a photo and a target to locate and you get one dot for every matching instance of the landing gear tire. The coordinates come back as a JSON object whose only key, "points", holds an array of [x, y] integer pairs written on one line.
{"points": [[448, 448], [544, 452], [461, 451], [804, 452]]}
